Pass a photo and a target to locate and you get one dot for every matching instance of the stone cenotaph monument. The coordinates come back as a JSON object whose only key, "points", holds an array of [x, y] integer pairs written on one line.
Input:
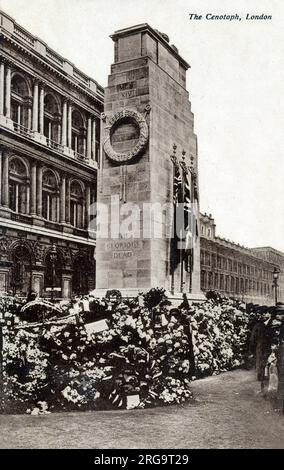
{"points": [[148, 125]]}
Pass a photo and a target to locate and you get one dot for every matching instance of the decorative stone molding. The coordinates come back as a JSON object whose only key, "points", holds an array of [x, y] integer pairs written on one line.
{"points": [[114, 122], [5, 244], [39, 252]]}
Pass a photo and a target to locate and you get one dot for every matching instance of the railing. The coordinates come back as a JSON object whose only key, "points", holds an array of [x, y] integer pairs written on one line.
{"points": [[81, 157], [23, 130], [54, 145], [54, 57], [22, 34], [51, 143], [79, 76]]}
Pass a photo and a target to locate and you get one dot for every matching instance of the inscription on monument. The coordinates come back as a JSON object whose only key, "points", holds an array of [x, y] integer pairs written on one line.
{"points": [[123, 245], [126, 86], [127, 94], [122, 254], [123, 249]]}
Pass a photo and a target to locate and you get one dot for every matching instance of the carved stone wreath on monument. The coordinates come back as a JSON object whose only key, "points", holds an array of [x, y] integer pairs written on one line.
{"points": [[117, 120]]}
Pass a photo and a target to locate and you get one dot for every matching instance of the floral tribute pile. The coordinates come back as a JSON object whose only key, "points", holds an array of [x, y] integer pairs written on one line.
{"points": [[220, 333], [116, 353]]}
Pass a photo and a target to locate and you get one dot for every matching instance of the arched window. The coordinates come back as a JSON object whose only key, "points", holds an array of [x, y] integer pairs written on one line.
{"points": [[18, 186], [50, 196], [78, 143], [21, 270], [20, 103], [76, 205], [51, 119]]}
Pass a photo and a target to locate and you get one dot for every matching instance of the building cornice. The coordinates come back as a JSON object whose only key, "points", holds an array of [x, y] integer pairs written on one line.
{"points": [[38, 49], [247, 252]]}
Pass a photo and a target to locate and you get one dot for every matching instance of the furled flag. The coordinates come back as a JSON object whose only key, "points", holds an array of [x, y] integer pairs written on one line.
{"points": [[177, 199]]}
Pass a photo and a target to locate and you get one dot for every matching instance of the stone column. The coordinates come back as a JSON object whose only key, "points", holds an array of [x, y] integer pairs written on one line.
{"points": [[37, 280], [67, 200], [29, 117], [64, 124], [62, 199], [66, 286], [87, 207], [33, 189], [41, 110], [1, 156], [89, 139], [5, 179], [84, 146], [94, 125], [8, 92], [35, 107], [28, 198], [69, 126], [39, 191], [2, 80]]}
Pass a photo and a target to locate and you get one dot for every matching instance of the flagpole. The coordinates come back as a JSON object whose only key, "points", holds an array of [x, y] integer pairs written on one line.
{"points": [[182, 230], [173, 234], [192, 228]]}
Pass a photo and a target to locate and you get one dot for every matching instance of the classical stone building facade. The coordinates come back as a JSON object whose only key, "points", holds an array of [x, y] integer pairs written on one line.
{"points": [[236, 271], [49, 158], [59, 128]]}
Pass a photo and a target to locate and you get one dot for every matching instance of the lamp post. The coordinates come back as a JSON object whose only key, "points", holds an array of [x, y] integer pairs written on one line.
{"points": [[53, 258], [280, 362], [276, 272]]}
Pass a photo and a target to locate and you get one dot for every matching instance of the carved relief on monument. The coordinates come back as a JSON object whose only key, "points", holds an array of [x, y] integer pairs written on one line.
{"points": [[126, 127]]}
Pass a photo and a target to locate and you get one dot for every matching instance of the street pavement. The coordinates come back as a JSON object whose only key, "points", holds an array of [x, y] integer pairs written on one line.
{"points": [[228, 412]]}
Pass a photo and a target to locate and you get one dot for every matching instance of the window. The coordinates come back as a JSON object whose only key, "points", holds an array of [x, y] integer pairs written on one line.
{"points": [[18, 187], [50, 196], [227, 287], [78, 143], [20, 103], [216, 281], [210, 280], [237, 285], [77, 215], [51, 119]]}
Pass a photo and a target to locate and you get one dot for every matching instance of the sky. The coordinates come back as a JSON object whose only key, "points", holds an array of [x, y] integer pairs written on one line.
{"points": [[236, 87]]}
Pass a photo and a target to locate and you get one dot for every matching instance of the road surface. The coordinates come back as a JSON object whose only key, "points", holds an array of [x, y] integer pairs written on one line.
{"points": [[229, 412]]}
